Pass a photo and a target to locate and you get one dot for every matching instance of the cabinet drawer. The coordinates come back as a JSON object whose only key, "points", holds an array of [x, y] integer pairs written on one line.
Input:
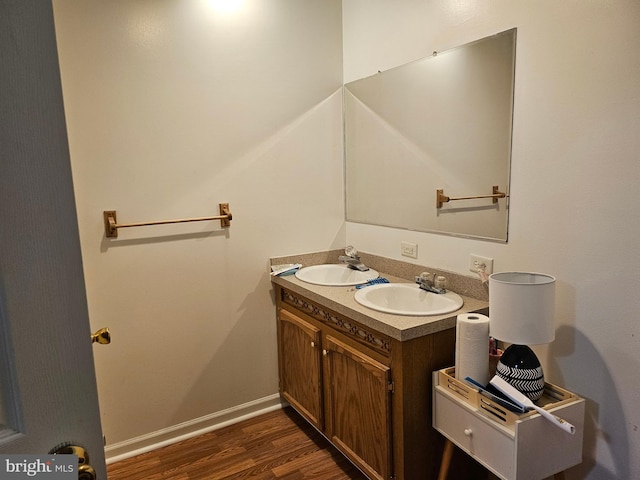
{"points": [[492, 447]]}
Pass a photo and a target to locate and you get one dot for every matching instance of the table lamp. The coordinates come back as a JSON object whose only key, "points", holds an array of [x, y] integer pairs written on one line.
{"points": [[521, 312]]}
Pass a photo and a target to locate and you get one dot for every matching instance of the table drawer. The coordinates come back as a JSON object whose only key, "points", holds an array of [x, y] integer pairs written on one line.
{"points": [[492, 447]]}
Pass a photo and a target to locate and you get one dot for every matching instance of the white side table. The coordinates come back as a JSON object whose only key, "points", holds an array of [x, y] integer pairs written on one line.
{"points": [[512, 446]]}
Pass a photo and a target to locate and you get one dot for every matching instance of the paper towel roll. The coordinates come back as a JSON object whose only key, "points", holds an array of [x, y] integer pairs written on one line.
{"points": [[472, 347]]}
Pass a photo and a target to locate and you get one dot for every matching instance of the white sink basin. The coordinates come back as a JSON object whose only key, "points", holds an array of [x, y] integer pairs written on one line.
{"points": [[333, 275], [407, 299]]}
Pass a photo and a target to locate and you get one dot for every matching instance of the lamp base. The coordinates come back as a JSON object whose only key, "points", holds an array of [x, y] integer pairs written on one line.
{"points": [[520, 367]]}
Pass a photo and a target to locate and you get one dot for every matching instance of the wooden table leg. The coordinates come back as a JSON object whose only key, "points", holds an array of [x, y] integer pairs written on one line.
{"points": [[446, 459]]}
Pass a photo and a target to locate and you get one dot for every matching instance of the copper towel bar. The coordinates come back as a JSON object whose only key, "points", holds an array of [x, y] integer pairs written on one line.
{"points": [[111, 226], [442, 198]]}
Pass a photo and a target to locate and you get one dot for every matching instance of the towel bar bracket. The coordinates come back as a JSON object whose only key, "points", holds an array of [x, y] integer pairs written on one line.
{"points": [[110, 228], [225, 215]]}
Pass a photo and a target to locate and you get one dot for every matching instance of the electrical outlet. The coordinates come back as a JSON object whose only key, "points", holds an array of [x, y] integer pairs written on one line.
{"points": [[409, 249], [478, 263]]}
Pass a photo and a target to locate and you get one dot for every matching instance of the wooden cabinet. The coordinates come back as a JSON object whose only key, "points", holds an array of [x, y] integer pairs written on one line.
{"points": [[300, 370], [368, 393], [340, 390], [358, 407]]}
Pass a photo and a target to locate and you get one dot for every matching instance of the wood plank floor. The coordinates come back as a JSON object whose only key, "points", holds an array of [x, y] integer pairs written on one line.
{"points": [[277, 445]]}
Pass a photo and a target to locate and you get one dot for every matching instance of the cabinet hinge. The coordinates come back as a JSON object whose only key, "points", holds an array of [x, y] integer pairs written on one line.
{"points": [[391, 387]]}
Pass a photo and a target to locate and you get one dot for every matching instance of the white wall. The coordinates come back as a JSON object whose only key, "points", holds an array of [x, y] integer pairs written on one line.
{"points": [[574, 195], [173, 107]]}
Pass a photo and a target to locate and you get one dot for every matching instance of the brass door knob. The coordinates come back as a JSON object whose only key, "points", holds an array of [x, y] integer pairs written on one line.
{"points": [[85, 471], [101, 336]]}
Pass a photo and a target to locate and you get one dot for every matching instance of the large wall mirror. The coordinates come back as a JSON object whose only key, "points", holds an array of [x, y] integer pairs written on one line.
{"points": [[439, 123]]}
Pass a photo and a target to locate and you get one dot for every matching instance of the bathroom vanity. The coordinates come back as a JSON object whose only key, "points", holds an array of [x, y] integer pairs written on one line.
{"points": [[363, 378]]}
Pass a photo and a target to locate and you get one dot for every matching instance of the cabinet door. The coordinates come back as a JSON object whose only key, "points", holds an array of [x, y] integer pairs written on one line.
{"points": [[358, 407], [300, 366]]}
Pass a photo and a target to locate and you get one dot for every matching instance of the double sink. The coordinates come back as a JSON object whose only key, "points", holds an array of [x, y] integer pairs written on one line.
{"points": [[394, 298]]}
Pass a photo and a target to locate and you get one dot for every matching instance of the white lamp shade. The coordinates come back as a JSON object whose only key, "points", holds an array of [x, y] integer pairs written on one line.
{"points": [[521, 307]]}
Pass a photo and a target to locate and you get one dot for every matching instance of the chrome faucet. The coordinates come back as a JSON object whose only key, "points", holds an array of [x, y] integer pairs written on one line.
{"points": [[431, 283], [352, 259]]}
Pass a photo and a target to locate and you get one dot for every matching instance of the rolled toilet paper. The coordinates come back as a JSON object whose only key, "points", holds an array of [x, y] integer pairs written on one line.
{"points": [[472, 347]]}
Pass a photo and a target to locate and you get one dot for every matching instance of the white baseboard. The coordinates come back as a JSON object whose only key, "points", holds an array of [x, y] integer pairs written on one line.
{"points": [[192, 428]]}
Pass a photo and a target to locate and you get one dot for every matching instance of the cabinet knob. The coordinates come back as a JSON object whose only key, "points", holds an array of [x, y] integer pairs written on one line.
{"points": [[468, 432], [313, 344], [325, 352]]}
